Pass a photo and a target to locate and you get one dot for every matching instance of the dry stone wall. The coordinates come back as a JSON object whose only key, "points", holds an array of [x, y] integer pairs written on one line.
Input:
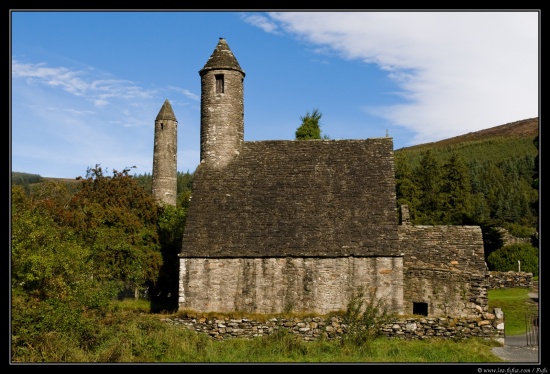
{"points": [[509, 279], [489, 325]]}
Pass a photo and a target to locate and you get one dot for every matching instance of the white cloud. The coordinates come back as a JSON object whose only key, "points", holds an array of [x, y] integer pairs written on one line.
{"points": [[186, 93], [79, 83], [55, 77], [262, 22], [459, 71]]}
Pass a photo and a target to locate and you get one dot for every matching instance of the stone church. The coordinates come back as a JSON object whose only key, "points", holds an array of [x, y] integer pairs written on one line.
{"points": [[303, 226]]}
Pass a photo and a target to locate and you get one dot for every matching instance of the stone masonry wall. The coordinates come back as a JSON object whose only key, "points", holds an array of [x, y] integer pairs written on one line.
{"points": [[509, 279], [445, 292], [489, 325], [222, 117], [444, 267], [277, 285], [164, 183]]}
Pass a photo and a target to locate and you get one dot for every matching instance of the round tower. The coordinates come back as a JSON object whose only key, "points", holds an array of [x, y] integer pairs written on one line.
{"points": [[222, 107], [165, 174]]}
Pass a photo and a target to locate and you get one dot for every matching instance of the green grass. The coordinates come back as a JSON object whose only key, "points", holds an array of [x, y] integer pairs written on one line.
{"points": [[285, 347], [145, 339], [130, 333], [516, 305]]}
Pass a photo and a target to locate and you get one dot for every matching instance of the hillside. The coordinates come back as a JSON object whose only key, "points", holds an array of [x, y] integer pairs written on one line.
{"points": [[495, 167], [524, 128]]}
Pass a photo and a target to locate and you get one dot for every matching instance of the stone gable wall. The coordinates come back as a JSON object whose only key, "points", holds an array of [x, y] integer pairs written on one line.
{"points": [[444, 268]]}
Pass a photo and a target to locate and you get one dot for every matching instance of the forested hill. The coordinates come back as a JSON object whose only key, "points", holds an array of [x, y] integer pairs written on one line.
{"points": [[528, 128], [495, 145], [488, 177]]}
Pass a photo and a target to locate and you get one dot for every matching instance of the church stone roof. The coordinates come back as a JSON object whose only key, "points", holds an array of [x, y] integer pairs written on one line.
{"points": [[166, 112], [222, 58], [318, 198]]}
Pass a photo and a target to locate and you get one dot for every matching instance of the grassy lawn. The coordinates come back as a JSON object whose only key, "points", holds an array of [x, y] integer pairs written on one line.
{"points": [[516, 305], [129, 333]]}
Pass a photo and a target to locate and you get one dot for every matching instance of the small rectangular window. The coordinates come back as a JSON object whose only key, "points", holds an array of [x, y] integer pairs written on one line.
{"points": [[219, 83], [420, 308]]}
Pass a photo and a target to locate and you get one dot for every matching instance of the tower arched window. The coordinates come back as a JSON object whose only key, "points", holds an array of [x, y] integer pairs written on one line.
{"points": [[219, 83]]}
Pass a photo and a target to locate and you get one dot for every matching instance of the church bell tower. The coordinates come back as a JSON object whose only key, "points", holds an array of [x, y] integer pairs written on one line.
{"points": [[222, 107]]}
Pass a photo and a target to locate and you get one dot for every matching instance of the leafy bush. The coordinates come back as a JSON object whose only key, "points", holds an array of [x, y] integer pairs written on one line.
{"points": [[507, 257], [364, 318], [117, 220]]}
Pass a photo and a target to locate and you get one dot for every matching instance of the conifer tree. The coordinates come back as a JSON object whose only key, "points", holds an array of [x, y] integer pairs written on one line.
{"points": [[310, 127], [455, 191], [428, 177]]}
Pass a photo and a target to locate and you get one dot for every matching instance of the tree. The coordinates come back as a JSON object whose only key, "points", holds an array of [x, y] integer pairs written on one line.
{"points": [[184, 189], [535, 185], [47, 259], [535, 182], [310, 127], [406, 190], [428, 177], [170, 225], [455, 191], [514, 256], [25, 179], [53, 293], [117, 219], [493, 238]]}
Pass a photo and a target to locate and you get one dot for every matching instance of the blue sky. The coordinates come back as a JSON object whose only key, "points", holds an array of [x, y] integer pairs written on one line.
{"points": [[86, 86]]}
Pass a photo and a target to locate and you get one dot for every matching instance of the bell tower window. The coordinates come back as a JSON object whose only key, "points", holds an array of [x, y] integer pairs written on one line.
{"points": [[219, 84]]}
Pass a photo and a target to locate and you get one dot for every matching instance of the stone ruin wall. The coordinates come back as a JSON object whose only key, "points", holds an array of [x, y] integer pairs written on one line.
{"points": [[446, 293], [444, 267], [508, 239], [509, 279], [277, 285], [487, 326]]}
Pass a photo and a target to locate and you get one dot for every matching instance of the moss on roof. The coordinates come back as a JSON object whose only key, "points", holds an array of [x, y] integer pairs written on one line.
{"points": [[322, 198], [166, 112], [221, 58]]}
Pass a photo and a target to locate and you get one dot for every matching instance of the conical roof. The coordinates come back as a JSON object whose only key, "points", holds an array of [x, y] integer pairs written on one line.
{"points": [[166, 112], [221, 58]]}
